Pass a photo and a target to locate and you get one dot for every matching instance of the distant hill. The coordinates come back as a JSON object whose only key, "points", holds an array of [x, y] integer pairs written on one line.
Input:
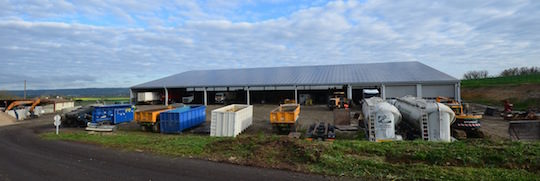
{"points": [[523, 91], [86, 92]]}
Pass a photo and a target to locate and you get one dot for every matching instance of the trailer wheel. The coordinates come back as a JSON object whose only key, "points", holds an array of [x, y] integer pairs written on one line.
{"points": [[155, 128], [143, 128]]}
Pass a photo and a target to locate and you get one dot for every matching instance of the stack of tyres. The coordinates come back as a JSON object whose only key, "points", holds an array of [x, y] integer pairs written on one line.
{"points": [[180, 119]]}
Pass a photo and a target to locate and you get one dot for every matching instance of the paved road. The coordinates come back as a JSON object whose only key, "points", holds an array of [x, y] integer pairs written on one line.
{"points": [[24, 156]]}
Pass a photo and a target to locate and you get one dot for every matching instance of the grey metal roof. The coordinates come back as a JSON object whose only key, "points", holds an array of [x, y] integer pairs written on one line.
{"points": [[362, 74]]}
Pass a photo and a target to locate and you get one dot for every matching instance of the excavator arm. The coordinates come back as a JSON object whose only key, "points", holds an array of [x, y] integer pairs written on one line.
{"points": [[18, 103]]}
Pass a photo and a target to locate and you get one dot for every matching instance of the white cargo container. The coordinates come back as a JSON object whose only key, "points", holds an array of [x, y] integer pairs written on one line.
{"points": [[231, 120], [147, 96], [431, 118], [381, 120]]}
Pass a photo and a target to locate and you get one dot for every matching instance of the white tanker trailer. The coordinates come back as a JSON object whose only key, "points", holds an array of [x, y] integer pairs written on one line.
{"points": [[380, 119], [431, 119]]}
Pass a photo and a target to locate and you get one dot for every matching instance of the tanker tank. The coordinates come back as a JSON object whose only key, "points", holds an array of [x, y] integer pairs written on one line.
{"points": [[380, 119]]}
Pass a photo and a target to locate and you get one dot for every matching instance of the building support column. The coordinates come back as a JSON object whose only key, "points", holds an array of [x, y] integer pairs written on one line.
{"points": [[457, 92], [130, 96], [296, 94], [205, 96], [247, 96], [166, 96], [349, 92], [383, 92], [419, 90]]}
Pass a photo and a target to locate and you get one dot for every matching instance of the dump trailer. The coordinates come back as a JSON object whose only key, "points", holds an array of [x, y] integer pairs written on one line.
{"points": [[430, 119], [149, 119], [284, 117], [182, 118], [381, 119]]}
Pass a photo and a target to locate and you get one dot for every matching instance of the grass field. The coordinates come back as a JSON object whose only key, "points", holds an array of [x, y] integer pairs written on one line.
{"points": [[522, 91], [107, 100], [462, 160], [501, 81]]}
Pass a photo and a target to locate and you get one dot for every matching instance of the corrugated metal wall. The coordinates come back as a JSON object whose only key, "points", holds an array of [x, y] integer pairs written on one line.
{"points": [[395, 91], [432, 91]]}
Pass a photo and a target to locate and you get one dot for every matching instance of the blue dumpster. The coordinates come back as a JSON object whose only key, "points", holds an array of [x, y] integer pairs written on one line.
{"points": [[180, 119], [114, 114]]}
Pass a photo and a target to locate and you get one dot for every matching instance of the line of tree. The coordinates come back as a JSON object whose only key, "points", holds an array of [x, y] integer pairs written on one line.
{"points": [[520, 71], [515, 71], [476, 74]]}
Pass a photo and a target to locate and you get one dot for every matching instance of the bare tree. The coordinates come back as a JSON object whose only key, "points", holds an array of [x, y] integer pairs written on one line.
{"points": [[476, 74], [520, 71]]}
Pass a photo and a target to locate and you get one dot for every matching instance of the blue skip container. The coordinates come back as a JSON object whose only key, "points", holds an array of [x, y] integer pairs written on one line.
{"points": [[114, 114], [180, 119]]}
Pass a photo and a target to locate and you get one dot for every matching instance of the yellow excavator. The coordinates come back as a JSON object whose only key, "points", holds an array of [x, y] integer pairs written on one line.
{"points": [[470, 123]]}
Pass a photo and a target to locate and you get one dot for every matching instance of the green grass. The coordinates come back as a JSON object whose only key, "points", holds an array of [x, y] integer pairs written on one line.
{"points": [[106, 98], [462, 160], [92, 100], [501, 81]]}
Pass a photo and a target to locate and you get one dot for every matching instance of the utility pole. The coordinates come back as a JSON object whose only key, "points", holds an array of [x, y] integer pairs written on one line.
{"points": [[24, 89]]}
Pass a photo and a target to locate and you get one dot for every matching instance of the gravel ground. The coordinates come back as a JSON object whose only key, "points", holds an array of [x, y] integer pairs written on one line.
{"points": [[261, 117]]}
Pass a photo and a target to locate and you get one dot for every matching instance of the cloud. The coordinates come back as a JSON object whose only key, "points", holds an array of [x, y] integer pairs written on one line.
{"points": [[120, 44]]}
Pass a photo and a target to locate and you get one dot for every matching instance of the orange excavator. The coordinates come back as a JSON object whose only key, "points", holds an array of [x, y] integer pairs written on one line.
{"points": [[33, 103]]}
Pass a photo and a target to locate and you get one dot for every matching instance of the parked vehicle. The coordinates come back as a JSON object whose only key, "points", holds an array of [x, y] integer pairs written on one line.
{"points": [[148, 97], [226, 98], [188, 99], [368, 93], [338, 101]]}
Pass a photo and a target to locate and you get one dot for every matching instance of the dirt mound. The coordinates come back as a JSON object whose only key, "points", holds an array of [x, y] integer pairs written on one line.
{"points": [[522, 96], [268, 152], [6, 119]]}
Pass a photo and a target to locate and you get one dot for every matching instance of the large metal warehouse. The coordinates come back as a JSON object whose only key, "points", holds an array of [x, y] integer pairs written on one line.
{"points": [[273, 84]]}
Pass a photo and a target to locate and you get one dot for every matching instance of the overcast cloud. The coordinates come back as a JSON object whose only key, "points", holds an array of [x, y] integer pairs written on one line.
{"points": [[65, 44]]}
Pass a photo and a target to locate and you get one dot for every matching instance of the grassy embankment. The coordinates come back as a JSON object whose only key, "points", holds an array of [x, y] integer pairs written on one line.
{"points": [[461, 160], [107, 100], [522, 91]]}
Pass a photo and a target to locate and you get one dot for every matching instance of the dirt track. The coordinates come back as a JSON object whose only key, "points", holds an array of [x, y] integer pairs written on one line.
{"points": [[24, 156]]}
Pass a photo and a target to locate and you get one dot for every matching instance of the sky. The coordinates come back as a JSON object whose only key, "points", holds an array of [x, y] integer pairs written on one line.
{"points": [[92, 43]]}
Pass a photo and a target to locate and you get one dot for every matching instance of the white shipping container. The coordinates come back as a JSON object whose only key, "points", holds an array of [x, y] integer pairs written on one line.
{"points": [[231, 120], [147, 96]]}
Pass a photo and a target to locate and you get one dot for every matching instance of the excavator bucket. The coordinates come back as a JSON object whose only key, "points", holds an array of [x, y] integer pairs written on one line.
{"points": [[526, 130]]}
